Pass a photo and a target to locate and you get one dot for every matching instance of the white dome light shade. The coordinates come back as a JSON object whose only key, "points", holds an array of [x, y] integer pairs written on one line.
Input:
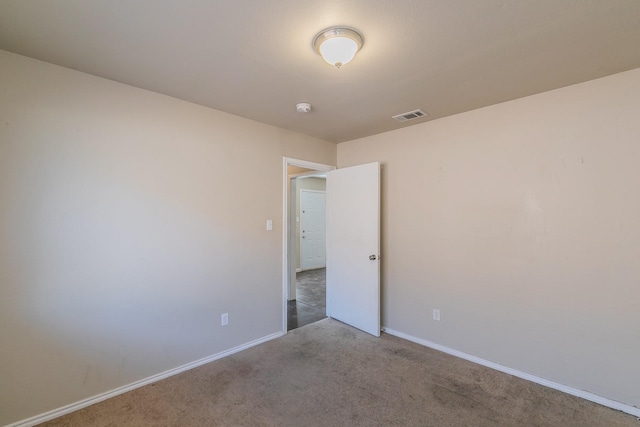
{"points": [[338, 50], [338, 45]]}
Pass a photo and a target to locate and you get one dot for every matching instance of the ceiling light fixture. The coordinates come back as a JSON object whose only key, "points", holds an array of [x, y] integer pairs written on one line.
{"points": [[338, 45]]}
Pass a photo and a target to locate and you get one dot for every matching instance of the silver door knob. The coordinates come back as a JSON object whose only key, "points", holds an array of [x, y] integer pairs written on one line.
{"points": [[372, 257]]}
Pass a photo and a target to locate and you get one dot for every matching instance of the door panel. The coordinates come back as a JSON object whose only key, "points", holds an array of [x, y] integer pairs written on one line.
{"points": [[312, 229], [353, 236]]}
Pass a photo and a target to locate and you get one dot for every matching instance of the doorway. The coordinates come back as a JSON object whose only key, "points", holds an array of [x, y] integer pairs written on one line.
{"points": [[310, 303], [304, 294], [353, 241]]}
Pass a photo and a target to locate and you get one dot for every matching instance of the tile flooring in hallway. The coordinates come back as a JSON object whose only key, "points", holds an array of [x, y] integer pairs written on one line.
{"points": [[311, 299]]}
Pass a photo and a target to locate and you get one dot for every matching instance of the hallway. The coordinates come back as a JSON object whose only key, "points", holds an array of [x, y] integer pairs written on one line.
{"points": [[311, 294]]}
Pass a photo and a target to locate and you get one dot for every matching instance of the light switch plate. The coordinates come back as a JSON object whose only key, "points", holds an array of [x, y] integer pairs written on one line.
{"points": [[269, 225]]}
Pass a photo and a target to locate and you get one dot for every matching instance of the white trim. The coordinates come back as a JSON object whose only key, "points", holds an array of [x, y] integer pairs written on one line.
{"points": [[529, 377], [50, 415], [286, 161], [308, 165], [312, 174]]}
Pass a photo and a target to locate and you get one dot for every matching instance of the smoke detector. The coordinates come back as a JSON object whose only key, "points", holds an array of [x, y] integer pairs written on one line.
{"points": [[411, 115], [303, 107]]}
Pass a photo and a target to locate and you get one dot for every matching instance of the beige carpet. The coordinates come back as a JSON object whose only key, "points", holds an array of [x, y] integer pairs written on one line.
{"points": [[329, 374]]}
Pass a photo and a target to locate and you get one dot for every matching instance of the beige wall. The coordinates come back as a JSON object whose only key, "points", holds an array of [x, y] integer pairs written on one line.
{"points": [[521, 223], [292, 170], [125, 232]]}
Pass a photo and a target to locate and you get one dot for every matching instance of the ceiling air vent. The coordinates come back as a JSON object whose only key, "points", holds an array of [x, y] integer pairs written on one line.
{"points": [[411, 115]]}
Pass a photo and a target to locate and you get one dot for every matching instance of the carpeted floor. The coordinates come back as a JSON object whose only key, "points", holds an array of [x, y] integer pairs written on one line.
{"points": [[329, 374]]}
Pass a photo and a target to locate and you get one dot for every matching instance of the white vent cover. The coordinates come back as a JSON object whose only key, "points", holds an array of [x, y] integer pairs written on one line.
{"points": [[411, 115]]}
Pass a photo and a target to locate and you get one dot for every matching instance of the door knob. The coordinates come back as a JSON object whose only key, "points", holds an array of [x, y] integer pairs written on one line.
{"points": [[372, 257]]}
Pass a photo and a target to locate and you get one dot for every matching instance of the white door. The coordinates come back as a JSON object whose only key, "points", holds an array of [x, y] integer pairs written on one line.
{"points": [[353, 246], [312, 229]]}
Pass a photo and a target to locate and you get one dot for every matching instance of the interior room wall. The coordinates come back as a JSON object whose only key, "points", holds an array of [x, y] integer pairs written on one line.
{"points": [[126, 231], [521, 223], [293, 170], [319, 184]]}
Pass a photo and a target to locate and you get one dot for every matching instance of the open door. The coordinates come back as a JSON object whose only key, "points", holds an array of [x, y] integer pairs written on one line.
{"points": [[353, 246]]}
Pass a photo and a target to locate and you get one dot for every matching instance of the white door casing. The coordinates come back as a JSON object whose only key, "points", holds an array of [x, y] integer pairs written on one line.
{"points": [[312, 229], [353, 246]]}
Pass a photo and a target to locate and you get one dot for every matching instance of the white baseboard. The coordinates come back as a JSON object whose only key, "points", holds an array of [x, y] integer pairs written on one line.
{"points": [[556, 386], [298, 270], [29, 422]]}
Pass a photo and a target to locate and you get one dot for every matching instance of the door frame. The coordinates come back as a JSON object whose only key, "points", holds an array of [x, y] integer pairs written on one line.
{"points": [[286, 221], [299, 195]]}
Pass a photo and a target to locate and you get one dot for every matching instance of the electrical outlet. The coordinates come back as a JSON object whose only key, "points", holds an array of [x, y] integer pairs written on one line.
{"points": [[224, 319], [436, 314]]}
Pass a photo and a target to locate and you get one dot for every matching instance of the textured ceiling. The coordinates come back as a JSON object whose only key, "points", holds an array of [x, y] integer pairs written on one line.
{"points": [[254, 58]]}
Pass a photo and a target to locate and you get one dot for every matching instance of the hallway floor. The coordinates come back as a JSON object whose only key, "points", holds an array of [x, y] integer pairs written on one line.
{"points": [[311, 298]]}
